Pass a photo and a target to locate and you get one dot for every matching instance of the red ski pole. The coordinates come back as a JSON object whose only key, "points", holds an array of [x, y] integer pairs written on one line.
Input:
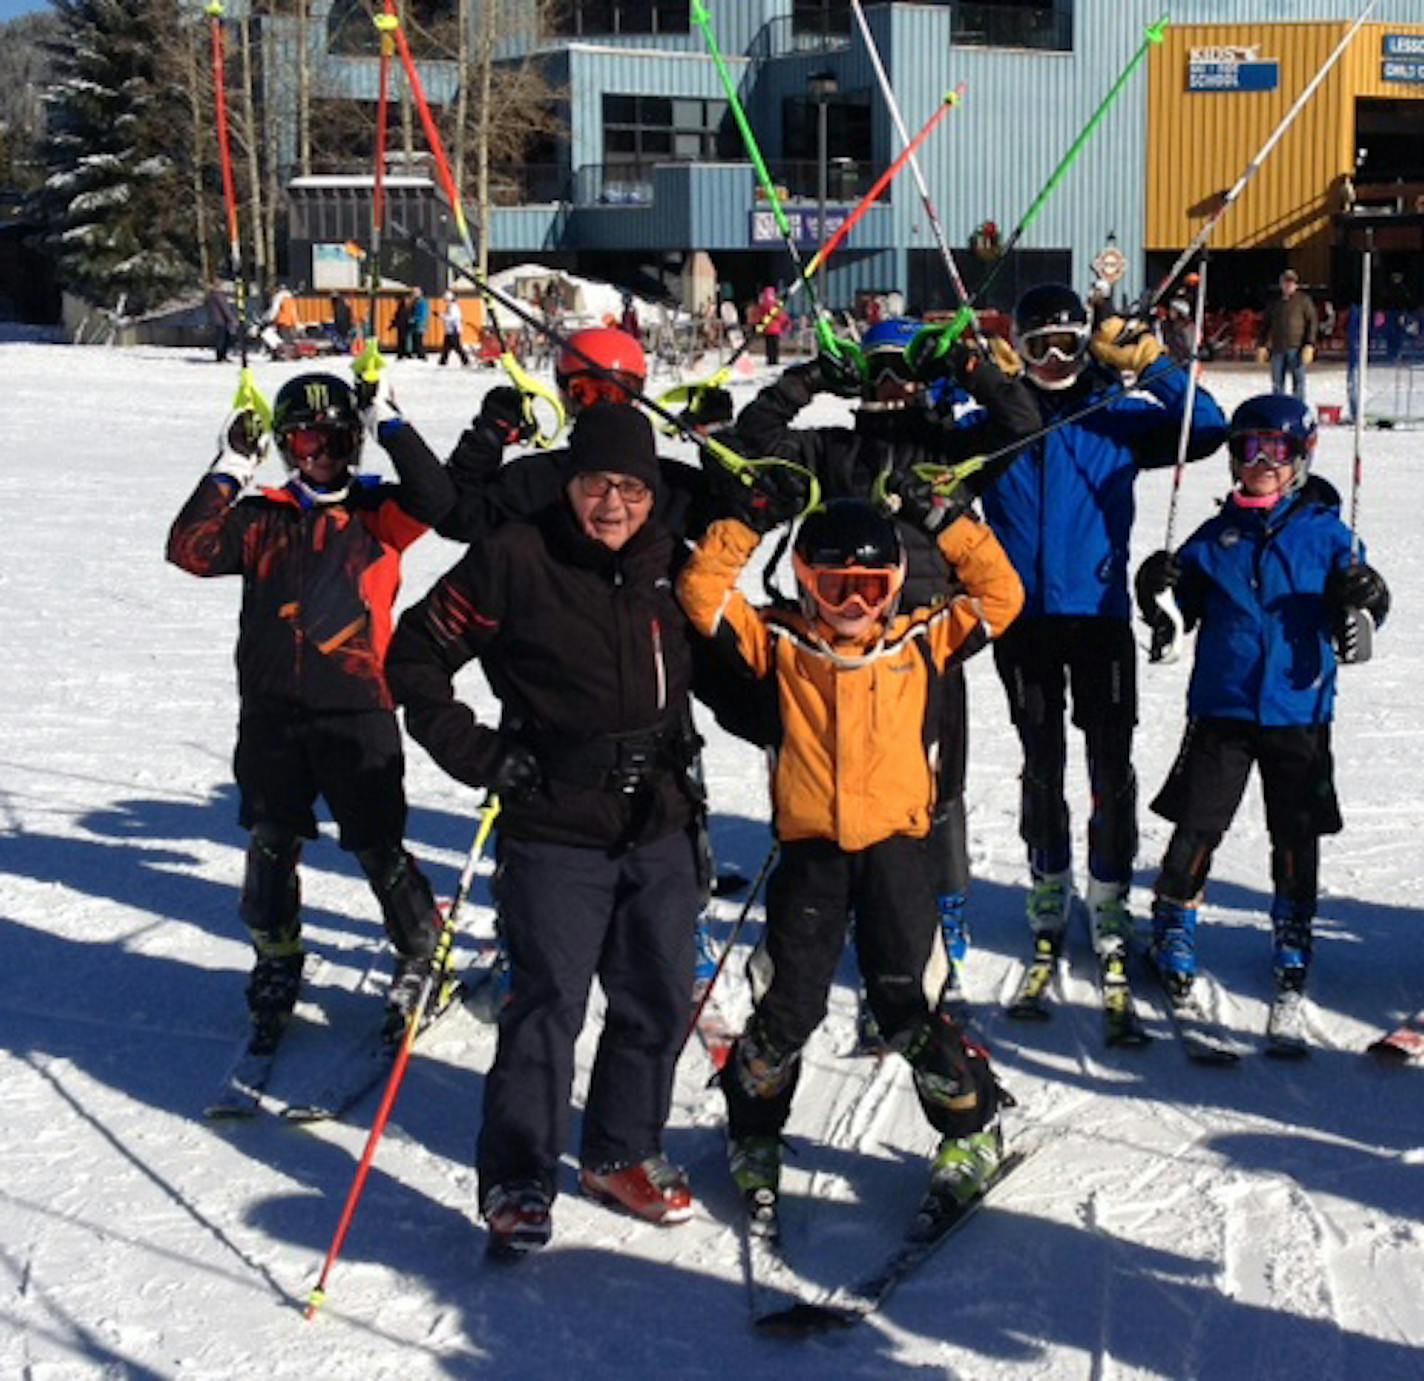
{"points": [[317, 1298]]}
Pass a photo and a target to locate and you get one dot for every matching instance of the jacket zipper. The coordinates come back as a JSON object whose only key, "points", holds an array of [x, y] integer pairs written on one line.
{"points": [[659, 667]]}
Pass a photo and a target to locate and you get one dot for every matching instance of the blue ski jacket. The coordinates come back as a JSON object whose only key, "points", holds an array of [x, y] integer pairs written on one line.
{"points": [[1254, 579], [1064, 509]]}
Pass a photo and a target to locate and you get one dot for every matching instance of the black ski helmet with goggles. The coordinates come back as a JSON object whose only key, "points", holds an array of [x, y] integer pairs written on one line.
{"points": [[883, 352], [316, 414], [1274, 429], [845, 554], [1051, 334]]}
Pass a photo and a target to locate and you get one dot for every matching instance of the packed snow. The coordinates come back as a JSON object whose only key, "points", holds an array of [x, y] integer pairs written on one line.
{"points": [[1173, 1220]]}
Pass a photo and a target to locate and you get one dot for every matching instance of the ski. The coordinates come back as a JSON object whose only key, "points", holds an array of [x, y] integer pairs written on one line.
{"points": [[366, 1062], [773, 1287], [1286, 1036], [935, 1221], [1200, 1036], [1121, 1023], [1403, 1045], [239, 1092], [1030, 1001]]}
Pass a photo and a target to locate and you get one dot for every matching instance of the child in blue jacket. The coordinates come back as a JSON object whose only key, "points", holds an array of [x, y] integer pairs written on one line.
{"points": [[1274, 584]]}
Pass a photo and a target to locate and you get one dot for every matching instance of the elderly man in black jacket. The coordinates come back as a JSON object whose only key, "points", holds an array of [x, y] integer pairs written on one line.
{"points": [[573, 618]]}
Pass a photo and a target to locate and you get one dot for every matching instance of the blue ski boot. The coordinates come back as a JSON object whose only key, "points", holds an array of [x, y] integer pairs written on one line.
{"points": [[1174, 945]]}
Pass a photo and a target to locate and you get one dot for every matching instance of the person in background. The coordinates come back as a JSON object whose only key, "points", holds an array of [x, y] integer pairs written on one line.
{"points": [[342, 323], [1288, 333], [222, 318], [452, 319], [772, 323], [419, 322], [629, 321], [400, 324]]}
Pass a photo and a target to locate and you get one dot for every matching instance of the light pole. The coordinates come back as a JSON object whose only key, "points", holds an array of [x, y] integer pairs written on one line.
{"points": [[822, 86]]}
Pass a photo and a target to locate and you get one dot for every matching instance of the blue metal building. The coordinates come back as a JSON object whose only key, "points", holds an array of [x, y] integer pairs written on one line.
{"points": [[652, 168]]}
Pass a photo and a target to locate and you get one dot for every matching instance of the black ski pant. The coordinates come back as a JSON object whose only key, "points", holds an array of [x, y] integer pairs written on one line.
{"points": [[568, 915], [285, 759], [1204, 789], [1039, 661], [452, 345], [809, 898]]}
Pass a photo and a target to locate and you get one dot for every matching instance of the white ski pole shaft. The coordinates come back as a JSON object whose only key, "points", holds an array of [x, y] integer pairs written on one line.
{"points": [[1362, 370]]}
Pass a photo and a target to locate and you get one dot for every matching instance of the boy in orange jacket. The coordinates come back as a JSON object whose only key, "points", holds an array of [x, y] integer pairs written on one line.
{"points": [[853, 786]]}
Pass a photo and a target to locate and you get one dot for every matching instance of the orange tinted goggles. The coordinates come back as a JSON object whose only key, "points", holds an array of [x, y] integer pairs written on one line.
{"points": [[837, 588], [588, 390]]}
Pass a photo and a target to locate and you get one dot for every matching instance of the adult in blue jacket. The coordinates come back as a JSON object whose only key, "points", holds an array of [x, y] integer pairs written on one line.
{"points": [[1274, 585], [1063, 511]]}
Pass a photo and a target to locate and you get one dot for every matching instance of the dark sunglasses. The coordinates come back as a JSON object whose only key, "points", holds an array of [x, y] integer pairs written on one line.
{"points": [[306, 443]]}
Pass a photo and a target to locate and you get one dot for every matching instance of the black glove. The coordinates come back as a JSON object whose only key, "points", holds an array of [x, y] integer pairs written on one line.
{"points": [[931, 512], [503, 413], [245, 434], [1357, 587], [837, 374], [708, 407], [767, 496], [514, 771], [1155, 576]]}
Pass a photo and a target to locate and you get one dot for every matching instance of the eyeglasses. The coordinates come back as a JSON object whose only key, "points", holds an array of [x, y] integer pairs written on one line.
{"points": [[835, 588], [1067, 344], [306, 443], [1273, 449], [588, 390], [597, 486]]}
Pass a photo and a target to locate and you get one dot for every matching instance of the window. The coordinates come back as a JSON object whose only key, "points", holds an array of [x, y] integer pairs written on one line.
{"points": [[820, 17], [588, 18], [659, 129]]}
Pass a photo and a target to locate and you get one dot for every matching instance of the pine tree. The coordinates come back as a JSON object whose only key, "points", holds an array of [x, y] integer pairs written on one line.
{"points": [[117, 195]]}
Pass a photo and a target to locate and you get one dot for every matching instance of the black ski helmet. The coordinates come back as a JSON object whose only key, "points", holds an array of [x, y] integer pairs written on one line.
{"points": [[322, 403], [848, 538], [1051, 335]]}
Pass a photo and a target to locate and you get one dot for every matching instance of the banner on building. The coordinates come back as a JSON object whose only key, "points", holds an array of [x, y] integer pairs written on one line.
{"points": [[335, 268], [1403, 58]]}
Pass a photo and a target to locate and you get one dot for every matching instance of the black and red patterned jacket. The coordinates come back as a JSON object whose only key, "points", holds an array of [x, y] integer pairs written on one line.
{"points": [[318, 580]]}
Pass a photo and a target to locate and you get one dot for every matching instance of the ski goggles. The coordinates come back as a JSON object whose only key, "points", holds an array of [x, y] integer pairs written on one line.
{"points": [[836, 588], [1275, 450], [599, 486], [888, 365], [1065, 344], [306, 443], [588, 390]]}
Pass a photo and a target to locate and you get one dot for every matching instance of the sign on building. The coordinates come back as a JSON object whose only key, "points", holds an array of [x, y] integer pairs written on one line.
{"points": [[1231, 67], [334, 268], [804, 228], [1403, 58]]}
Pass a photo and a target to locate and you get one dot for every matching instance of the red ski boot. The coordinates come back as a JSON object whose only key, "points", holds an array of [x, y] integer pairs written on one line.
{"points": [[654, 1189]]}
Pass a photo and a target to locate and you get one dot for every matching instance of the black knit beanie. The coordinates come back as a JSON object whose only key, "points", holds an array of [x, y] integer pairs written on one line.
{"points": [[617, 439]]}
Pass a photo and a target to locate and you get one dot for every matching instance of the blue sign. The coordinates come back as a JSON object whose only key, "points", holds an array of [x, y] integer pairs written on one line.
{"points": [[1404, 46], [805, 231], [1404, 70], [1234, 76]]}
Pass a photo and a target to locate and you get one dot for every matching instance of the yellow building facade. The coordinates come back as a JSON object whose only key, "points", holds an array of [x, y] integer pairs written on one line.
{"points": [[1216, 93]]}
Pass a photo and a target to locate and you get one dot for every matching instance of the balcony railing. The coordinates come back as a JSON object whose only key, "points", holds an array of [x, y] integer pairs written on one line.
{"points": [[779, 38], [1012, 26], [846, 178]]}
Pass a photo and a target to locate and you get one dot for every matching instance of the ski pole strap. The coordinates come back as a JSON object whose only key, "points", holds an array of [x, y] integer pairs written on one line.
{"points": [[746, 470], [367, 366], [931, 344], [943, 479], [686, 395], [534, 391]]}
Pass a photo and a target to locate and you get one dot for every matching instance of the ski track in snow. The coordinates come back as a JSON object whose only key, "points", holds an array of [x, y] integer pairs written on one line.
{"points": [[1175, 1221]]}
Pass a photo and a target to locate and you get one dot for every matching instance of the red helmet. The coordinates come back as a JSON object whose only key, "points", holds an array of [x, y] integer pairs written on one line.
{"points": [[613, 352]]}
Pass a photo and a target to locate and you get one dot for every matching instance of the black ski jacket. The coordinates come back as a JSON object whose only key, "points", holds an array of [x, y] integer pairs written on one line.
{"points": [[318, 580], [588, 654], [847, 460]]}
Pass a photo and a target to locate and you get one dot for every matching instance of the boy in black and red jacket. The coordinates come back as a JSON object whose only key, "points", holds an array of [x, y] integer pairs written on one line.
{"points": [[320, 565]]}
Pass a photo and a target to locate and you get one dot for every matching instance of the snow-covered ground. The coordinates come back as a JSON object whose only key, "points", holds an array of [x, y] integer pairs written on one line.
{"points": [[1177, 1221]]}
